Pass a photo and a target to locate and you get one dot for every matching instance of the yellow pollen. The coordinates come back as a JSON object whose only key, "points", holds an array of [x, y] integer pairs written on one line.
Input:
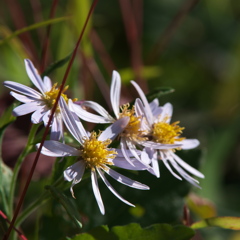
{"points": [[51, 96], [95, 153], [166, 133], [133, 129]]}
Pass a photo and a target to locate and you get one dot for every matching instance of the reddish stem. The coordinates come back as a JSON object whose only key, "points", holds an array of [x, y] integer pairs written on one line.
{"points": [[18, 232], [48, 125], [132, 36], [46, 42], [101, 50], [98, 77], [171, 29], [19, 21]]}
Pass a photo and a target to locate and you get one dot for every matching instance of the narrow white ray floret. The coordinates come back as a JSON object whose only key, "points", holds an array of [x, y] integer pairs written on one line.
{"points": [[41, 102], [94, 154], [161, 134]]}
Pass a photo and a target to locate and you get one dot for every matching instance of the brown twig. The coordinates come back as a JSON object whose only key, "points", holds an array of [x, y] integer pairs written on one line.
{"points": [[170, 30], [49, 123]]}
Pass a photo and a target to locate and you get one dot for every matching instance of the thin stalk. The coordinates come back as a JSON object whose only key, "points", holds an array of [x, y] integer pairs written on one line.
{"points": [[46, 42], [18, 165], [164, 40], [48, 125]]}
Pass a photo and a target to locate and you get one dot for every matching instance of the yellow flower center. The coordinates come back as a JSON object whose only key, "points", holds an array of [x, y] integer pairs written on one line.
{"points": [[133, 129], [166, 133], [50, 96], [95, 153]]}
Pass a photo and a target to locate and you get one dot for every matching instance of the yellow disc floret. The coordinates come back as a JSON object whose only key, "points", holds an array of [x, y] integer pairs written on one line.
{"points": [[166, 133], [95, 153], [50, 96], [133, 129]]}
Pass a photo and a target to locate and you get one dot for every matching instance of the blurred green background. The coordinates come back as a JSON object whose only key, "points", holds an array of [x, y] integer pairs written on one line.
{"points": [[158, 43]]}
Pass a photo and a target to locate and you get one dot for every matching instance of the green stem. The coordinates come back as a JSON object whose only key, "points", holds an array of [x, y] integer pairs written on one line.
{"points": [[18, 165]]}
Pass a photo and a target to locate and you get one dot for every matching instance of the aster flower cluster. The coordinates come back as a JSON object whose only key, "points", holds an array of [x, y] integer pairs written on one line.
{"points": [[143, 129]]}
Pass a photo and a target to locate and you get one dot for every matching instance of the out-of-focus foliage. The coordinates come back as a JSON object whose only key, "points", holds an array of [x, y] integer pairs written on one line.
{"points": [[200, 62]]}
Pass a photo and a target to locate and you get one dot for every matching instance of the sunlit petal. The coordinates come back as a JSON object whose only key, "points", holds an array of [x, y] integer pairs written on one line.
{"points": [[97, 192]]}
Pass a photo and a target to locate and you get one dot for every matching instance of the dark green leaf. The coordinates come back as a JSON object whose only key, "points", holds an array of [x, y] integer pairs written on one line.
{"points": [[56, 65], [159, 92], [66, 203]]}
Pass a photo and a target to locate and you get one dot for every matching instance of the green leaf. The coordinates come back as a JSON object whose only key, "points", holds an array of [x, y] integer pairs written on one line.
{"points": [[159, 92], [7, 118], [66, 203], [56, 65], [222, 222], [5, 180], [5, 171], [134, 231], [32, 27]]}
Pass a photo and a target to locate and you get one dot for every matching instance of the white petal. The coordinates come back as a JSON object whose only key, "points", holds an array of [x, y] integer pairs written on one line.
{"points": [[145, 102], [25, 108], [113, 130], [122, 163], [156, 110], [74, 173], [132, 149], [46, 117], [96, 192], [22, 98], [167, 112], [187, 166], [165, 161], [155, 145], [34, 76], [37, 116], [56, 129], [104, 117], [18, 87], [47, 83], [125, 180], [72, 122], [126, 153], [87, 116], [115, 92], [154, 104], [57, 149], [185, 175], [189, 143], [155, 165], [112, 189], [146, 156], [120, 154]]}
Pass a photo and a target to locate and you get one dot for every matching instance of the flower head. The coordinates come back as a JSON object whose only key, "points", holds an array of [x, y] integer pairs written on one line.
{"points": [[41, 102], [133, 133], [93, 153], [161, 133]]}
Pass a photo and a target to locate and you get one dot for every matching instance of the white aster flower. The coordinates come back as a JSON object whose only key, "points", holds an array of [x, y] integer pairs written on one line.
{"points": [[161, 132], [40, 102], [93, 153], [132, 135]]}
